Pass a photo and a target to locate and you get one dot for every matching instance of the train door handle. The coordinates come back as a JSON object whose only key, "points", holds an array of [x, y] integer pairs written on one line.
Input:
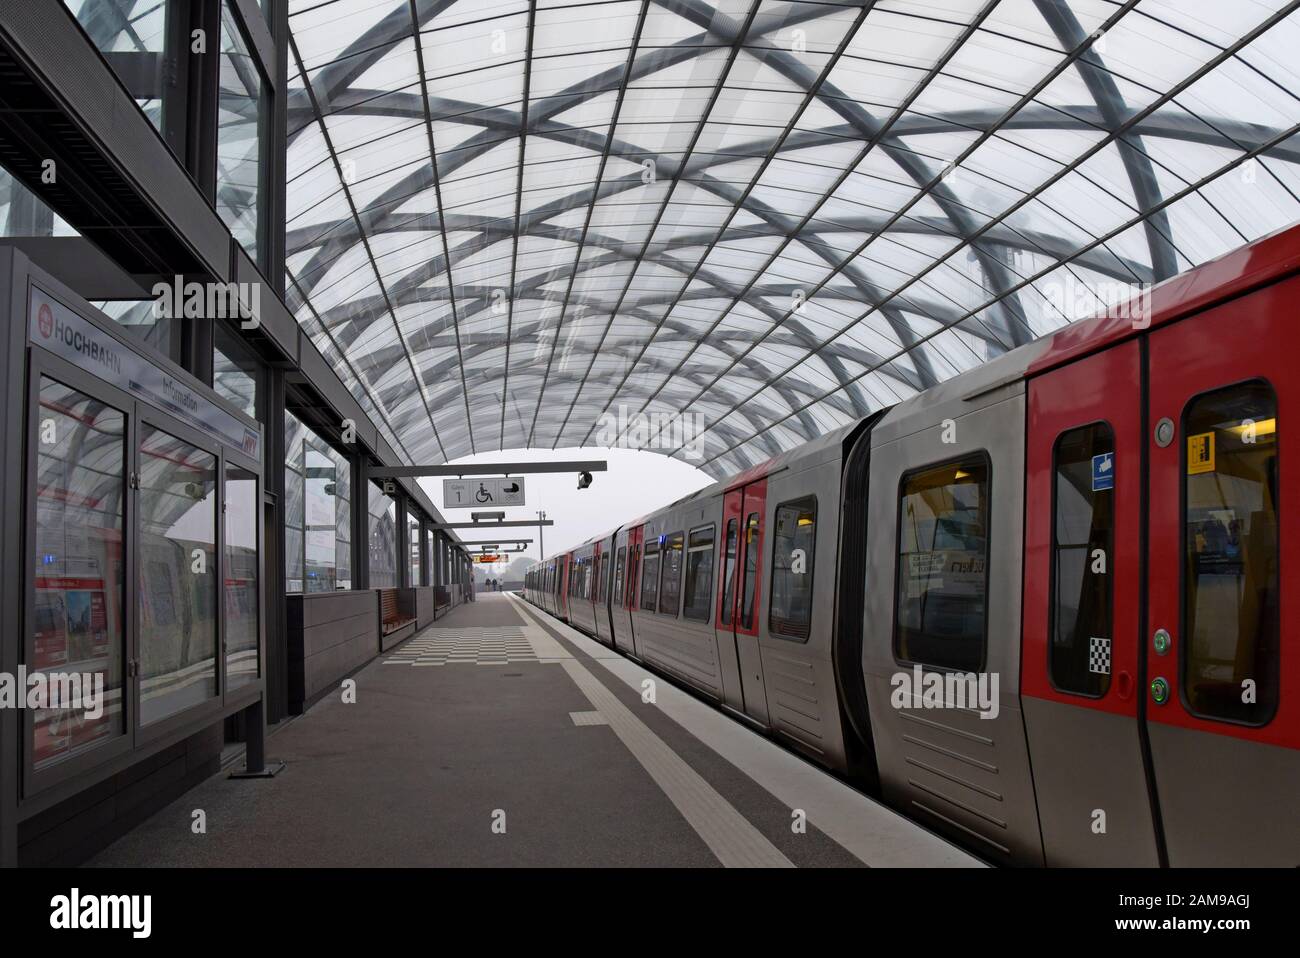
{"points": [[1125, 685]]}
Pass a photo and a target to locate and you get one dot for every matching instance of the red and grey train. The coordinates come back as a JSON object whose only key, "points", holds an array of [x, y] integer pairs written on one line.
{"points": [[1091, 525]]}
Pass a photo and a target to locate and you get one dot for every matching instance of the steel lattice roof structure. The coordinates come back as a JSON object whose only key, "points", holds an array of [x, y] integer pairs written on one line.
{"points": [[511, 221]]}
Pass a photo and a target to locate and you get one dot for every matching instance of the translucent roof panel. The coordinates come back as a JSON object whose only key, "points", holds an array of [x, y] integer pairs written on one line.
{"points": [[548, 223]]}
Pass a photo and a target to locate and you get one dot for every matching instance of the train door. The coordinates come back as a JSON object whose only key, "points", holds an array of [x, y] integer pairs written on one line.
{"points": [[566, 572], [594, 592], [1080, 668], [1222, 716], [739, 596], [632, 578]]}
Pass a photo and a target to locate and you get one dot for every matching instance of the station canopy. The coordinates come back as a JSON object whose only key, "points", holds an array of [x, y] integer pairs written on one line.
{"points": [[531, 224]]}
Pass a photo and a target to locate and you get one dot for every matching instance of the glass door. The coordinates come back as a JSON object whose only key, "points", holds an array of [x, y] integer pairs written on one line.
{"points": [[77, 610], [241, 588], [177, 573]]}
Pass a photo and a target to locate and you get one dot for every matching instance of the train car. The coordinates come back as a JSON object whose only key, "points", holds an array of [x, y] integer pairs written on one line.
{"points": [[558, 596], [1036, 607], [623, 599], [588, 587], [582, 611]]}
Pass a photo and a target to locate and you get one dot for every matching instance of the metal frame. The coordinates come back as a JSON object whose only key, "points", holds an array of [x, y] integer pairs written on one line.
{"points": [[511, 524], [46, 787], [486, 469], [744, 422]]}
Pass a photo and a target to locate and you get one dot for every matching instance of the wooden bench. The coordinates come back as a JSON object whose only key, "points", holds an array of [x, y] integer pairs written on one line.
{"points": [[391, 616]]}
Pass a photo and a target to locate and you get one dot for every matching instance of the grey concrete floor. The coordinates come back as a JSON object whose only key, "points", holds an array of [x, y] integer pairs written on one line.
{"points": [[428, 759]]}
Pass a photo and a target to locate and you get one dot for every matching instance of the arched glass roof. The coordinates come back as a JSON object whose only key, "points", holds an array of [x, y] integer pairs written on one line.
{"points": [[511, 222]]}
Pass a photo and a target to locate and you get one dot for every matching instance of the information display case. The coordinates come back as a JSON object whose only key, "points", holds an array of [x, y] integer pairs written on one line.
{"points": [[141, 493]]}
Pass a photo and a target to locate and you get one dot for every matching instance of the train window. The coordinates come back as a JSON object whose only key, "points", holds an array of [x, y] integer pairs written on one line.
{"points": [[671, 589], [942, 564], [729, 572], [618, 575], [699, 574], [650, 575], [80, 563], [793, 541], [1230, 630], [751, 571], [178, 575], [1083, 536]]}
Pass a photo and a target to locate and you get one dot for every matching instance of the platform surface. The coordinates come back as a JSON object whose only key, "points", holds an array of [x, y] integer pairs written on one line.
{"points": [[499, 736]]}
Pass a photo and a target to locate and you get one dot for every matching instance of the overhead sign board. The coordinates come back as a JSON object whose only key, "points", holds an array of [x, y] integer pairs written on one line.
{"points": [[487, 559], [477, 493]]}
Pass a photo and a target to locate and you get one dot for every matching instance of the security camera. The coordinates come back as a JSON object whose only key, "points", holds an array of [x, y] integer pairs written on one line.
{"points": [[584, 480]]}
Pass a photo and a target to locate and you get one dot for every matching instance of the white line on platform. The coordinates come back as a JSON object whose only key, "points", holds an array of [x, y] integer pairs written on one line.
{"points": [[874, 833], [729, 835]]}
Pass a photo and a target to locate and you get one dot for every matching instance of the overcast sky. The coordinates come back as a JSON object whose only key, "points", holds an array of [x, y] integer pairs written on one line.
{"points": [[638, 481]]}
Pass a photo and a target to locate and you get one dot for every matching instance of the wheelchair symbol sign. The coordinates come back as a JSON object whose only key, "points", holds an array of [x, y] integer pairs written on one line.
{"points": [[470, 493]]}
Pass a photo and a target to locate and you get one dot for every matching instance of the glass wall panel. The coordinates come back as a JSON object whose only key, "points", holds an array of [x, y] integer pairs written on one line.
{"points": [[132, 35], [239, 137], [342, 492], [79, 578], [178, 573], [138, 318], [383, 540], [22, 213], [318, 512], [234, 373], [413, 547], [241, 578], [294, 432]]}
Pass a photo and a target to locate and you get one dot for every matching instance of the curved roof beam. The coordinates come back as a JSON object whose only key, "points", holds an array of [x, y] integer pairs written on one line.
{"points": [[1110, 103]]}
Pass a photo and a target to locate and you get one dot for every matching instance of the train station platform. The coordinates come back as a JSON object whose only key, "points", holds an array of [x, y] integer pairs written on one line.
{"points": [[500, 737]]}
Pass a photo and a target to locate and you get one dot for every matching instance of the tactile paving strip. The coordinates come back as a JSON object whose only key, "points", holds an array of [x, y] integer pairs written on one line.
{"points": [[485, 646]]}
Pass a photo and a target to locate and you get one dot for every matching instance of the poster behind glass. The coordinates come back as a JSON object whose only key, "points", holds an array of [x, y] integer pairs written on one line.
{"points": [[79, 624]]}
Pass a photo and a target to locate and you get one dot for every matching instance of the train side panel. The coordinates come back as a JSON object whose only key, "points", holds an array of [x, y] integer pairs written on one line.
{"points": [[679, 645], [626, 550], [582, 611], [943, 599], [796, 621]]}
